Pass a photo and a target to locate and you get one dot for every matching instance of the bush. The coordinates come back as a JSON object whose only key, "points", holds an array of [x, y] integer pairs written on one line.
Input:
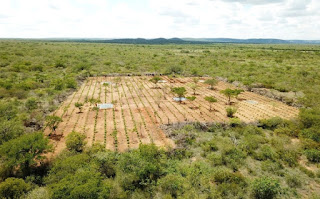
{"points": [[231, 111], [31, 104], [209, 146], [71, 83], [75, 141], [13, 188], [265, 188], [173, 184], [266, 153], [235, 122], [272, 123], [293, 181], [289, 156], [313, 155]]}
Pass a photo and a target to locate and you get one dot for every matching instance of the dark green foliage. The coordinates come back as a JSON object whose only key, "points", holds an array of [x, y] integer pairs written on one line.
{"points": [[13, 188], [265, 188], [173, 184], [23, 152], [31, 104], [313, 155], [272, 123], [75, 141], [81, 184]]}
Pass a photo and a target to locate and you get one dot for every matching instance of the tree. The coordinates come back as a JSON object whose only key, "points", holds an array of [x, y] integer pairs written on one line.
{"points": [[237, 92], [155, 80], [265, 188], [79, 106], [13, 188], [180, 92], [53, 122], [211, 100], [212, 82], [228, 93], [191, 99], [26, 150], [194, 87], [75, 141], [231, 93]]}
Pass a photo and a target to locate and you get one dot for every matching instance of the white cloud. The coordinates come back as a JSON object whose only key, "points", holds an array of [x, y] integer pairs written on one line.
{"points": [[285, 19]]}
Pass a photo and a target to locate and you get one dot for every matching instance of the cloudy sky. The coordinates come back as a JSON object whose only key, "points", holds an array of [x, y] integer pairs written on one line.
{"points": [[283, 19]]}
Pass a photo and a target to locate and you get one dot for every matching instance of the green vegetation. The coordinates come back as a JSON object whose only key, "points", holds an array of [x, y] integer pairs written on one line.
{"points": [[231, 111], [75, 141], [211, 82], [211, 100], [273, 159], [79, 106], [155, 80], [180, 92]]}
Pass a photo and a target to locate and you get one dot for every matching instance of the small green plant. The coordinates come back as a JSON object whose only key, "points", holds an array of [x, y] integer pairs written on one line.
{"points": [[231, 111], [211, 100], [155, 80], [79, 106]]}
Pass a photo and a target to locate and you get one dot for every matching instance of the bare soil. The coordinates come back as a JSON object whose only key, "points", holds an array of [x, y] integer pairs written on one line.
{"points": [[139, 111]]}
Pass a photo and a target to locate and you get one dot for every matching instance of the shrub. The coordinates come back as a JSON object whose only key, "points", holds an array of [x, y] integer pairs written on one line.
{"points": [[265, 188], [312, 133], [75, 141], [13, 188], [293, 181], [272, 123], [313, 155], [173, 184], [38, 193], [235, 122], [266, 153], [231, 111], [289, 156], [31, 104], [209, 146], [71, 83]]}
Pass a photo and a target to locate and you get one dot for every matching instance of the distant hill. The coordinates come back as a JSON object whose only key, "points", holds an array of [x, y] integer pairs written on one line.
{"points": [[181, 41], [253, 41]]}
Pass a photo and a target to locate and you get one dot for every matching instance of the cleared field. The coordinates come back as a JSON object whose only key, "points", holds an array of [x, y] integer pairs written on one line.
{"points": [[140, 107]]}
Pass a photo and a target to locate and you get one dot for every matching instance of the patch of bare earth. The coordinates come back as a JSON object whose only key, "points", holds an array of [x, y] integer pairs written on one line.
{"points": [[140, 109]]}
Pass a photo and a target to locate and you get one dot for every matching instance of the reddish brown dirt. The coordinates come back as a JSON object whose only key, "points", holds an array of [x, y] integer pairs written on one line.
{"points": [[136, 117]]}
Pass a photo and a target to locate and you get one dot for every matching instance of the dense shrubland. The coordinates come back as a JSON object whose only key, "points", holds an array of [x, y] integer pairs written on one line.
{"points": [[274, 158]]}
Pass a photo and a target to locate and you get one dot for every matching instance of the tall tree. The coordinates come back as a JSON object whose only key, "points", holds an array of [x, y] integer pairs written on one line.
{"points": [[24, 151]]}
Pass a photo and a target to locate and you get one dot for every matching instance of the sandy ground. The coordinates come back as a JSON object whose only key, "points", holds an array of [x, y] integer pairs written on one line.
{"points": [[140, 108]]}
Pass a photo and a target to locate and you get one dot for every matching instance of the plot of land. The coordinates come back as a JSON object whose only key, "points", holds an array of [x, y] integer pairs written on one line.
{"points": [[140, 108]]}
